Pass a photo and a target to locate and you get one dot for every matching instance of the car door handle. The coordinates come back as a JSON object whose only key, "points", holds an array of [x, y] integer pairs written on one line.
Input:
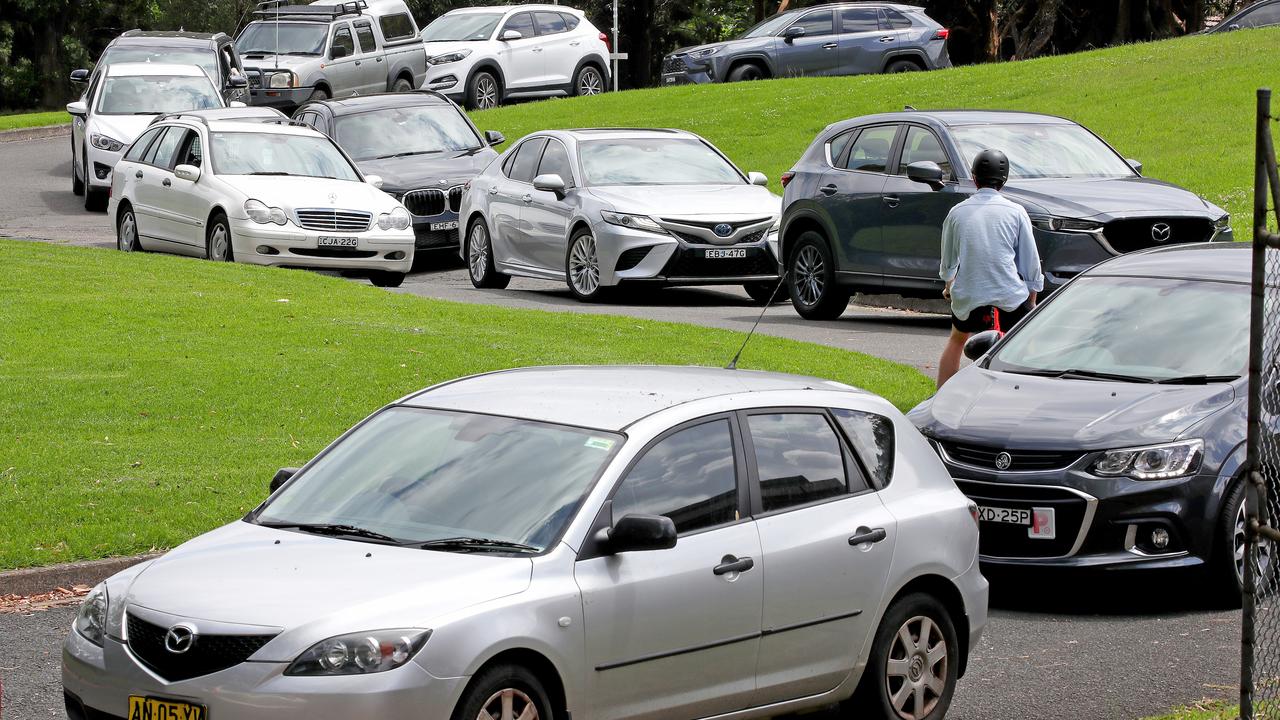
{"points": [[575, 43], [379, 59], [892, 200], [166, 182], [493, 191], [138, 174], [828, 189], [730, 564], [867, 535], [537, 49], [830, 46], [527, 198], [886, 39]]}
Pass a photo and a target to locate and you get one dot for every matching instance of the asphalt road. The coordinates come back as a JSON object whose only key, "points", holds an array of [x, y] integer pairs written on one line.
{"points": [[1093, 648]]}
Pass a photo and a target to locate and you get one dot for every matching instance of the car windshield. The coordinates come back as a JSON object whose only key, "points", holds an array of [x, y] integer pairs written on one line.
{"points": [[260, 153], [206, 59], [1146, 328], [768, 27], [262, 38], [461, 27], [1043, 150], [420, 475], [655, 161], [156, 94], [397, 132]]}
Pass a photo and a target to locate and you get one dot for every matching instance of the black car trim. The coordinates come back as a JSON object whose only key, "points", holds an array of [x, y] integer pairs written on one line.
{"points": [[809, 623], [678, 651]]}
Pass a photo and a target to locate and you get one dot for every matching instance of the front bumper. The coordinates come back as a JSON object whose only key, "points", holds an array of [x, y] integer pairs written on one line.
{"points": [[688, 77], [101, 165], [284, 99], [449, 79], [636, 256], [291, 246], [429, 234]]}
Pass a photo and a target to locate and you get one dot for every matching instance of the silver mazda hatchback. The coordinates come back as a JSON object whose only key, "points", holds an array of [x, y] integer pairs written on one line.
{"points": [[611, 542]]}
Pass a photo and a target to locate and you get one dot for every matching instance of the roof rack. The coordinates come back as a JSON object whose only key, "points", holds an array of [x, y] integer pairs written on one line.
{"points": [[287, 122], [180, 116], [280, 9]]}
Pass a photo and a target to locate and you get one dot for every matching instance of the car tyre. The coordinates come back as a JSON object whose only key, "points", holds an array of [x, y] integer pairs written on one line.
{"points": [[217, 240], [900, 66], [746, 72], [386, 279], [492, 692], [319, 95], [127, 230], [913, 666], [401, 85], [483, 91], [77, 184], [811, 279], [94, 200], [479, 254], [1228, 566], [763, 292], [582, 268], [588, 81]]}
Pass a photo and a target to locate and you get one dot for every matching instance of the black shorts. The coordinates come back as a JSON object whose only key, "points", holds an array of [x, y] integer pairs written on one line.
{"points": [[990, 317]]}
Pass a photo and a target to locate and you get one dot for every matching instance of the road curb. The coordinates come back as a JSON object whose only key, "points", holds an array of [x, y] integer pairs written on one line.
{"points": [[32, 581], [36, 133], [935, 306]]}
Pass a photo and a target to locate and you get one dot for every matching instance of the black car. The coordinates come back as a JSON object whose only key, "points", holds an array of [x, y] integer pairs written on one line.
{"points": [[863, 208], [215, 53], [422, 145], [1262, 14], [1107, 429]]}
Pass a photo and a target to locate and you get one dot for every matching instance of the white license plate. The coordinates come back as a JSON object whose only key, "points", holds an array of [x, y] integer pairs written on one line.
{"points": [[338, 242], [671, 79], [452, 225], [1013, 516], [718, 254]]}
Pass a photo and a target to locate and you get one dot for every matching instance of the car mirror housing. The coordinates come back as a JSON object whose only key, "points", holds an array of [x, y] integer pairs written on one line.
{"points": [[374, 180], [281, 477], [978, 345], [508, 35], [237, 82], [792, 33], [187, 172], [1135, 164], [927, 172], [78, 108], [550, 183], [493, 137], [758, 178], [80, 75], [635, 533]]}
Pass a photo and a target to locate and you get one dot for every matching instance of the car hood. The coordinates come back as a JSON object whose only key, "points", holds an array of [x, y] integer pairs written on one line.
{"points": [[727, 45], [286, 62], [312, 587], [125, 128], [1110, 198], [309, 192], [984, 407], [419, 171], [673, 201]]}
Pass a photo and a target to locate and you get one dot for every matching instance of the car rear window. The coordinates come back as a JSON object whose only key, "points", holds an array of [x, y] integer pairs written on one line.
{"points": [[397, 27], [570, 20], [895, 20], [526, 162]]}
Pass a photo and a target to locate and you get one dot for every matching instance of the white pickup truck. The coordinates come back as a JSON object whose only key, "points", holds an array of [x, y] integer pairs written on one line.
{"points": [[296, 53]]}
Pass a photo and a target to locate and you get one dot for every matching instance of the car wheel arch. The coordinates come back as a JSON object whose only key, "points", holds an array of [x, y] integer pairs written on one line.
{"points": [[945, 592], [593, 60], [797, 227], [401, 73], [914, 56], [492, 68], [541, 666], [758, 60]]}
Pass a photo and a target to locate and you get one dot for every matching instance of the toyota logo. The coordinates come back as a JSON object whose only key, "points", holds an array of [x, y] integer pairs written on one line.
{"points": [[1003, 461], [1161, 232], [180, 638], [723, 230]]}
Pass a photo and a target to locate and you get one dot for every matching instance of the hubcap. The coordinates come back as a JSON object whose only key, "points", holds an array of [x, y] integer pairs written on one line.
{"points": [[809, 279], [478, 252], [218, 243], [486, 93], [584, 269], [1262, 551], [916, 674], [509, 704], [590, 83], [128, 231]]}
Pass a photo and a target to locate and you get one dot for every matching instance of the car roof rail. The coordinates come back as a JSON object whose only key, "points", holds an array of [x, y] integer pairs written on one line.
{"points": [[181, 116], [289, 122], [279, 9]]}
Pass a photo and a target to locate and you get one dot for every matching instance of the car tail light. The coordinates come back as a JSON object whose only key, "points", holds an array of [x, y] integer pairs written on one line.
{"points": [[786, 177], [942, 34], [605, 39], [973, 512]]}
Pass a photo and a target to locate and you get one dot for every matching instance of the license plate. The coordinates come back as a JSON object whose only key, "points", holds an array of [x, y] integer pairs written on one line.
{"points": [[146, 708], [452, 225], [1013, 516], [671, 79], [724, 253], [339, 242]]}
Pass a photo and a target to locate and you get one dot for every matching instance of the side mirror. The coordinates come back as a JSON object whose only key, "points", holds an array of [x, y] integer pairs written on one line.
{"points": [[493, 137], [337, 52], [187, 172], [758, 178], [79, 76], [508, 35], [236, 103], [978, 345], [927, 172], [281, 477], [1232, 26], [78, 108], [237, 81], [792, 33], [550, 183], [374, 180], [1135, 164], [640, 532]]}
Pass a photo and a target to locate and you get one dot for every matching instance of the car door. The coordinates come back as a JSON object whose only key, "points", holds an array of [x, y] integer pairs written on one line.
{"points": [[814, 53], [521, 59], [154, 179], [545, 217], [235, 69], [894, 27], [861, 50], [372, 68], [342, 71], [561, 50], [674, 633], [851, 193], [507, 196], [912, 213], [130, 171], [188, 201], [828, 545]]}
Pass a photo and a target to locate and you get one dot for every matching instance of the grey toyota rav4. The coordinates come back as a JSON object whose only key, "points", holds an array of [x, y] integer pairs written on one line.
{"points": [[863, 207], [840, 39]]}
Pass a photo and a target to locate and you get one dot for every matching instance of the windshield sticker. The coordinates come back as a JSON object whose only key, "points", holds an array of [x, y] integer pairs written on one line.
{"points": [[600, 443]]}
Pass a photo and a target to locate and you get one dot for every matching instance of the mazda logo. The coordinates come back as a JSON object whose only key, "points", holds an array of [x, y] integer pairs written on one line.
{"points": [[1161, 232], [723, 230], [1003, 461], [180, 638]]}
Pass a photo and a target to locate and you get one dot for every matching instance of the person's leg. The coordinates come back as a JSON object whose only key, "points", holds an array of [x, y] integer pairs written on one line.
{"points": [[950, 363]]}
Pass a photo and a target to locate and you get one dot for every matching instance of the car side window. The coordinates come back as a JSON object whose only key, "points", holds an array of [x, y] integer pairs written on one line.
{"points": [[192, 152], [550, 23], [1261, 17], [364, 34], [799, 459], [526, 161], [396, 27], [856, 20], [555, 161], [872, 438], [922, 145], [140, 145], [870, 152], [817, 23], [689, 476], [167, 147], [521, 23], [894, 20], [570, 20], [342, 39], [837, 145]]}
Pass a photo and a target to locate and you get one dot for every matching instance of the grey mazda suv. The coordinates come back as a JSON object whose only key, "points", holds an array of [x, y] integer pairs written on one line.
{"points": [[843, 39], [863, 207]]}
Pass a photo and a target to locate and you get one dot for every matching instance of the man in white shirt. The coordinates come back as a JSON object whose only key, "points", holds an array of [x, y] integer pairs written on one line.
{"points": [[989, 261]]}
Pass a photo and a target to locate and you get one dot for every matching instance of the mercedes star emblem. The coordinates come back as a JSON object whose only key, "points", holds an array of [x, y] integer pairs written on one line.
{"points": [[180, 638], [1003, 461], [1161, 232], [333, 198], [723, 230]]}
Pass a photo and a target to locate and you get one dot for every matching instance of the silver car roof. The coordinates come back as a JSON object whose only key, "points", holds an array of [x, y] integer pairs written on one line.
{"points": [[609, 397]]}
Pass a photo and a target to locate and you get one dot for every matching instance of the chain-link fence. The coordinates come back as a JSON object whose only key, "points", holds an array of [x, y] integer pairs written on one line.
{"points": [[1260, 656]]}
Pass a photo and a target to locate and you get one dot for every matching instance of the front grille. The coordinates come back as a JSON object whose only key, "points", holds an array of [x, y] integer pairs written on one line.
{"points": [[334, 253], [334, 220], [1136, 233], [426, 238], [674, 63], [1005, 540], [209, 653], [631, 258], [431, 201], [754, 237], [687, 264], [1019, 460]]}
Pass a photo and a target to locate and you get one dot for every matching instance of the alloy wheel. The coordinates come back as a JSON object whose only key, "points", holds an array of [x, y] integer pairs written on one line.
{"points": [[584, 267], [486, 93], [916, 672], [809, 279], [127, 238], [590, 82], [478, 252], [1262, 551], [509, 704], [219, 243]]}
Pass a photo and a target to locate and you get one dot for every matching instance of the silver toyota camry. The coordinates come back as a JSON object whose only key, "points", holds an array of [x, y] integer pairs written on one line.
{"points": [[598, 208], [611, 542]]}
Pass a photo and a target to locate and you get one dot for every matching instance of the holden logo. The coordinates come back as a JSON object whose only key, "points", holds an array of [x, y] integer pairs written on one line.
{"points": [[180, 638], [333, 198], [723, 230], [1161, 232], [1003, 461]]}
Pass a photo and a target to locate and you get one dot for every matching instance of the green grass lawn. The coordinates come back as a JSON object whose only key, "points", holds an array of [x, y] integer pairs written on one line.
{"points": [[1205, 710], [146, 398], [1184, 107], [35, 119]]}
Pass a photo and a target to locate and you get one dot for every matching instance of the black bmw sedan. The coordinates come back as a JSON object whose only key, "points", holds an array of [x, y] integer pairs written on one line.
{"points": [[1107, 428]]}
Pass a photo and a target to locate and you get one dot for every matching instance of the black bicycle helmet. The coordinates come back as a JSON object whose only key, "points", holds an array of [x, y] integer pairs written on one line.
{"points": [[991, 167]]}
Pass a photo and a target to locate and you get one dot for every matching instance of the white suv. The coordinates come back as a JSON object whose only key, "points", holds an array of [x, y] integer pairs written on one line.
{"points": [[485, 55], [268, 194]]}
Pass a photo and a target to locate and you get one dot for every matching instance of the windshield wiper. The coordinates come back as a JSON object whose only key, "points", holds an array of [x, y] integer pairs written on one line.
{"points": [[147, 112], [474, 543], [1095, 375], [337, 530], [1197, 379], [271, 172], [407, 153]]}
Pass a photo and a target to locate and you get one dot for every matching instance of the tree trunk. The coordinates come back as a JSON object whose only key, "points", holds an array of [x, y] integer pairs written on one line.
{"points": [[53, 88], [1040, 33]]}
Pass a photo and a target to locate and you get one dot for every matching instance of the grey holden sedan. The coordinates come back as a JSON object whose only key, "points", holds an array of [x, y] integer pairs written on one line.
{"points": [[611, 542], [598, 208]]}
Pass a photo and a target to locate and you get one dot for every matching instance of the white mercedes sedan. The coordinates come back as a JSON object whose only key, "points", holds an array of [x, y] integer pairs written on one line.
{"points": [[262, 193]]}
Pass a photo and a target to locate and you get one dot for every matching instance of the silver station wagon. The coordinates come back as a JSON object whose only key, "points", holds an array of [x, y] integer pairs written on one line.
{"points": [[611, 542]]}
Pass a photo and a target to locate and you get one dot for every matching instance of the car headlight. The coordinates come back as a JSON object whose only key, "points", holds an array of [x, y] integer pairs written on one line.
{"points": [[91, 620], [260, 213], [1153, 462], [637, 222], [283, 80], [397, 219], [1058, 224], [1223, 223], [103, 142], [360, 653], [448, 57], [705, 52]]}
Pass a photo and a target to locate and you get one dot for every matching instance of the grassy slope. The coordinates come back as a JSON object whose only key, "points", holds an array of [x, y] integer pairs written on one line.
{"points": [[144, 398], [1184, 107], [1206, 710], [35, 119]]}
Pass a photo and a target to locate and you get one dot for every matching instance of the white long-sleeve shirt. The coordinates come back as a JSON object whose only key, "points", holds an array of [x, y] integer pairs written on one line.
{"points": [[989, 254]]}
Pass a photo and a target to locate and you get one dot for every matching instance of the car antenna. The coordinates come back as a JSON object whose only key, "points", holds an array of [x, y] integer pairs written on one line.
{"points": [[733, 364]]}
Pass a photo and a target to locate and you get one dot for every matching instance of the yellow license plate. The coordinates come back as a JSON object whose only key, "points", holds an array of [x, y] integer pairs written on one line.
{"points": [[145, 708]]}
